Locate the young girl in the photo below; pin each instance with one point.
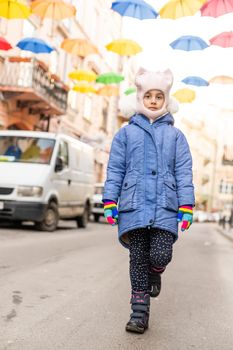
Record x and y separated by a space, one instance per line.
149 175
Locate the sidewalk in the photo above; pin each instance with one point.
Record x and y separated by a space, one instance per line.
227 231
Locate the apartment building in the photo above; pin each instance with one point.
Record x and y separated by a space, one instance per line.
35 92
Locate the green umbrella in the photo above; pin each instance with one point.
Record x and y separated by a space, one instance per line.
109 78
130 90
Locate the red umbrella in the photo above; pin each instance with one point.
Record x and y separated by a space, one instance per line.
224 39
215 8
4 45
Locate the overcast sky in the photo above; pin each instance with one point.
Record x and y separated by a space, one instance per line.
156 35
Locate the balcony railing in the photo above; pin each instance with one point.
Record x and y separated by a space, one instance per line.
28 79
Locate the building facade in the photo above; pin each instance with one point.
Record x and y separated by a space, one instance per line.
35 92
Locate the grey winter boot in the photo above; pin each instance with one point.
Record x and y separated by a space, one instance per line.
139 318
154 284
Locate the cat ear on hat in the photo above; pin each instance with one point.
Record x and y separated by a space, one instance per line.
169 76
139 73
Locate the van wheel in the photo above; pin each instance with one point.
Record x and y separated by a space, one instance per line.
50 220
96 217
83 220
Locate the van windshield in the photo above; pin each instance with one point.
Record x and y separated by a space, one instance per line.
26 149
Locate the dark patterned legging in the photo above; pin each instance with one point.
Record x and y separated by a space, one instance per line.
149 249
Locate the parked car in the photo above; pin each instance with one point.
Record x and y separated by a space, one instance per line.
97 205
45 177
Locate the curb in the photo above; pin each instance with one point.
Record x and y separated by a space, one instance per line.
227 234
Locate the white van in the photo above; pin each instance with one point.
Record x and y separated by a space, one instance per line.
44 177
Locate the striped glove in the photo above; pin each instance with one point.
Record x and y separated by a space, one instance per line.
185 214
111 212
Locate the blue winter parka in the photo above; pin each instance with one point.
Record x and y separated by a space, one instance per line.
149 175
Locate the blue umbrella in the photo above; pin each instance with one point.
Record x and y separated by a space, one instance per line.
134 8
197 81
34 45
189 43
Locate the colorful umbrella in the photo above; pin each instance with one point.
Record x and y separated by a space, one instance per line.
185 95
109 78
224 39
180 8
124 47
108 91
130 90
4 45
197 81
34 45
84 88
134 8
216 8
54 9
79 47
189 43
83 75
221 79
14 9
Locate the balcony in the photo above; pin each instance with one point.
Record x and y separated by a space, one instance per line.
29 82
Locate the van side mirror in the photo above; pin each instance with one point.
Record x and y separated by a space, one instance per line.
59 166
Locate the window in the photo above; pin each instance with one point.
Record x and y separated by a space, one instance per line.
26 149
87 107
63 153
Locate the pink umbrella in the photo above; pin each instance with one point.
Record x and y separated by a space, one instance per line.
216 8
224 39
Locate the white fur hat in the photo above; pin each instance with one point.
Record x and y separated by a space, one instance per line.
127 105
148 80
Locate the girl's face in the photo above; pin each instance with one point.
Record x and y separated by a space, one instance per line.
153 100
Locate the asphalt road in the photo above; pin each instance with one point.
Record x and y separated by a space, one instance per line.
69 290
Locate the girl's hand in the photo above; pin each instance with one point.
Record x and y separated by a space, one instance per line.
185 214
111 212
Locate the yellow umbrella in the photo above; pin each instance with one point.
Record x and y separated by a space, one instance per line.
54 9
14 9
180 8
78 47
221 79
84 88
108 90
86 75
124 47
185 95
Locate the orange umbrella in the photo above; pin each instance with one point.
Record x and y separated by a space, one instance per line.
54 9
109 91
221 79
79 47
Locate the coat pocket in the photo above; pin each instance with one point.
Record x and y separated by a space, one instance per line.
171 194
128 195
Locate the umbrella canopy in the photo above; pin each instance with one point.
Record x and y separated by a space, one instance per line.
180 8
224 39
185 95
130 90
134 8
34 45
124 47
189 43
84 88
14 9
221 79
216 8
4 45
110 78
85 75
54 9
108 91
197 81
78 47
